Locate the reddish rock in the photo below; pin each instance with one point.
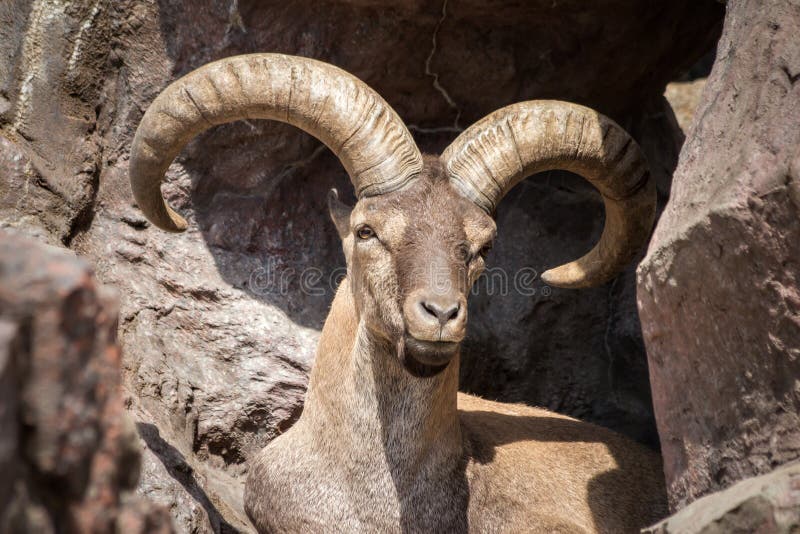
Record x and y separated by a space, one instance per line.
765 504
719 290
68 451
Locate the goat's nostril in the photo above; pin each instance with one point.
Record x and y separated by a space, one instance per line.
452 312
443 314
430 309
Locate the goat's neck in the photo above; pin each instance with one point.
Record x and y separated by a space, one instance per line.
360 393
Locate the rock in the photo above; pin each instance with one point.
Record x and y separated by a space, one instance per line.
27 204
218 325
68 451
168 480
718 291
52 74
767 503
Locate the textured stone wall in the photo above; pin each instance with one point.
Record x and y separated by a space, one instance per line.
216 330
718 290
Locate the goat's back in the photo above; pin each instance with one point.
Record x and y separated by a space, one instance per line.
531 470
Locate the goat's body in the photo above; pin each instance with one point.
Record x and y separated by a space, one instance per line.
532 470
525 470
370 455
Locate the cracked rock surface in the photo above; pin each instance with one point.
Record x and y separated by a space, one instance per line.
218 325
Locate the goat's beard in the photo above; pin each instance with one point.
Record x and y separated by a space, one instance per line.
419 360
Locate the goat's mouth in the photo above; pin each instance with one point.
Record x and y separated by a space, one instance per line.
424 359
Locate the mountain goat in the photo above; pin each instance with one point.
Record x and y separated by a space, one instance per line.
385 442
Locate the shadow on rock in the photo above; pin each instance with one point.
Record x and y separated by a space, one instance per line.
180 470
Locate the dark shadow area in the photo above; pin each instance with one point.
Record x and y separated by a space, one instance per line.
701 68
180 470
583 351
273 237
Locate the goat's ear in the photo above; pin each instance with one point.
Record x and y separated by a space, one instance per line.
340 213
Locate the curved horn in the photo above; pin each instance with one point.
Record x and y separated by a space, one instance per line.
497 152
337 108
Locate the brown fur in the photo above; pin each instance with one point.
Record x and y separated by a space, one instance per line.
387 444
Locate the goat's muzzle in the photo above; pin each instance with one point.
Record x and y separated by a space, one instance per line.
436 316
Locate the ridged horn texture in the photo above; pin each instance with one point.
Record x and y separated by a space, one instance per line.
337 108
497 152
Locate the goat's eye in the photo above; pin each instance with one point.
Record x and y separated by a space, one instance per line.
462 253
485 249
365 232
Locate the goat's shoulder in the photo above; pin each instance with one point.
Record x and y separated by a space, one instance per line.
526 458
290 487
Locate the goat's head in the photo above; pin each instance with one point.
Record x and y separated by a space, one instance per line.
416 238
412 256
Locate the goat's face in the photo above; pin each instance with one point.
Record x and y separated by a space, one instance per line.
412 257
